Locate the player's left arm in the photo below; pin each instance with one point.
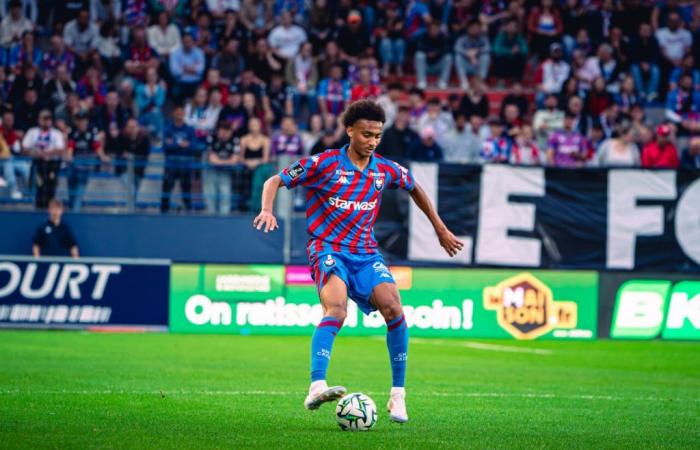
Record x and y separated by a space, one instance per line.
448 241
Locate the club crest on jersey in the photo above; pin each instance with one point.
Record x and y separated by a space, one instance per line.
329 262
379 183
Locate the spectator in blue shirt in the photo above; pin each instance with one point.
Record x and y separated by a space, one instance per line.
150 97
187 68
426 149
182 154
683 106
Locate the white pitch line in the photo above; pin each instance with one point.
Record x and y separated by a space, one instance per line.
482 346
525 395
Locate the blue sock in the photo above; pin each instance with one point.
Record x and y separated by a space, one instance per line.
397 343
321 346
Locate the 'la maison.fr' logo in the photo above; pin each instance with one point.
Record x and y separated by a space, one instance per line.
526 309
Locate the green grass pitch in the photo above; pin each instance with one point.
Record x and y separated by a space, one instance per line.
84 390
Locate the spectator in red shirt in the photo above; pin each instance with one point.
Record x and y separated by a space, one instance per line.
661 153
365 88
139 56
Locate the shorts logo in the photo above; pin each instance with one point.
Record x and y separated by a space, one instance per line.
526 309
380 267
329 262
295 171
379 183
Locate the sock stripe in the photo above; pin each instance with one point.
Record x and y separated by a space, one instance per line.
329 323
396 323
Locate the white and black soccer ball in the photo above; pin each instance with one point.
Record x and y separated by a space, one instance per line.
356 412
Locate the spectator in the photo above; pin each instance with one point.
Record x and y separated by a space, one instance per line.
547 120
28 79
172 7
329 58
475 100
102 11
459 144
582 121
228 62
602 65
232 28
219 8
498 146
287 141
253 108
627 97
619 151
573 18
599 98
135 13
389 101
440 121
287 38
81 37
426 149
392 45
54 237
14 164
568 147
46 146
57 55
150 98
24 53
202 112
234 113
326 141
683 106
218 177
552 73
65 113
111 116
85 145
134 143
399 137
644 56
545 27
164 36
433 56
674 41
27 112
516 97
256 152
108 49
510 53
313 133
525 151
187 68
512 120
302 77
417 20
182 151
417 105
472 54
352 38
30 9
333 92
263 62
661 153
687 67
365 88
281 100
690 159
14 25
139 57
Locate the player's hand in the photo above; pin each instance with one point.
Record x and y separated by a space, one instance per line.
449 242
265 221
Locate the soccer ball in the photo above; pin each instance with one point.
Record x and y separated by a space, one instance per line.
356 412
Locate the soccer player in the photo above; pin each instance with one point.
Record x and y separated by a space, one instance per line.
344 194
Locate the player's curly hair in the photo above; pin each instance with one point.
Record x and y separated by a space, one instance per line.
363 109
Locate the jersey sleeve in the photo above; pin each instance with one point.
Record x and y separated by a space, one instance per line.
399 177
303 172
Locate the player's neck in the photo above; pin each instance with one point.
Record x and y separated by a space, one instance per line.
357 160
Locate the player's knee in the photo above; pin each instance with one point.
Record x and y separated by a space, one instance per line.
390 308
337 312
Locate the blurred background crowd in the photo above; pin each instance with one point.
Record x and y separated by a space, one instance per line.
204 97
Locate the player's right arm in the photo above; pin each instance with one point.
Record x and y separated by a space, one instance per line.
266 220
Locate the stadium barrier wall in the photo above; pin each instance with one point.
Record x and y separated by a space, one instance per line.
84 293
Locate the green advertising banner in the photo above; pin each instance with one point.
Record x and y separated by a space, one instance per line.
250 299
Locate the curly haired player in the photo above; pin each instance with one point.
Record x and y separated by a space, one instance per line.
344 193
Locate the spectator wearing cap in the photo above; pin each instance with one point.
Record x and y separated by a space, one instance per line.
472 54
81 37
392 45
150 98
333 92
551 73
46 146
221 155
352 38
182 151
683 106
57 55
286 38
426 149
661 153
399 137
545 26
433 56
85 146
690 159
435 117
459 143
186 67
301 75
14 25
510 52
568 147
54 237
164 36
644 56
498 146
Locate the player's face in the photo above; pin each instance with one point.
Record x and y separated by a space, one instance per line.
365 136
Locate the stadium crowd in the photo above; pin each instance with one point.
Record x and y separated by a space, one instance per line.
223 88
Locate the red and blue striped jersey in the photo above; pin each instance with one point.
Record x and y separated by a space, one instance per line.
342 202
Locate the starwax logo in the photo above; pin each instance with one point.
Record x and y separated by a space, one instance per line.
525 307
646 308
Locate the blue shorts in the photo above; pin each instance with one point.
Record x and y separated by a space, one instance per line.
360 273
